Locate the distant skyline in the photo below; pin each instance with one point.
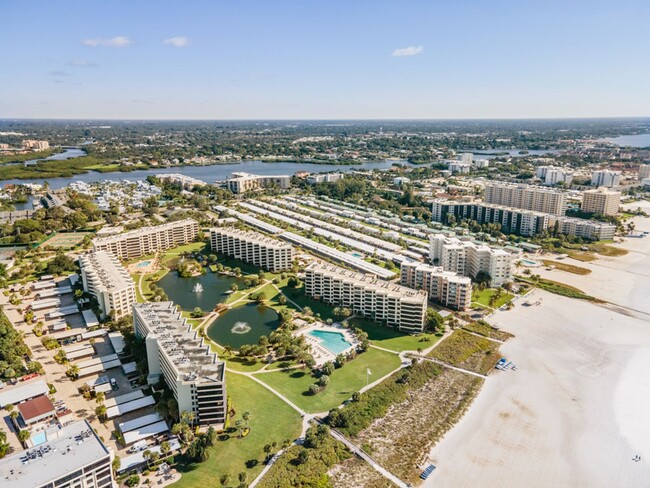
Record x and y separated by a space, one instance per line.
461 59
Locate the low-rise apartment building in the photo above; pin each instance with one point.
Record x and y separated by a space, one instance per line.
177 353
528 197
394 305
252 247
72 457
601 201
104 277
245 182
148 240
469 258
446 287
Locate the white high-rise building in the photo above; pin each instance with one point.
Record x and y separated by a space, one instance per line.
72 457
601 201
252 247
466 158
384 301
445 287
176 352
469 259
148 240
552 175
528 197
606 178
107 280
644 171
245 182
459 167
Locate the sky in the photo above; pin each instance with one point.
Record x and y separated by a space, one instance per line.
324 59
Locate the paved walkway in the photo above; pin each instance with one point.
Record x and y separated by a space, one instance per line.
446 365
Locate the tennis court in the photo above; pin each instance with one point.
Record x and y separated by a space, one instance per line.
65 240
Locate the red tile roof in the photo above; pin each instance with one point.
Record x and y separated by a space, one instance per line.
35 407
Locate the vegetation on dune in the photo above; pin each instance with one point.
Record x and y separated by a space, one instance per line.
467 351
557 288
483 328
570 268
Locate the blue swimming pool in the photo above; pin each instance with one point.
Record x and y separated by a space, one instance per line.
143 264
39 438
332 341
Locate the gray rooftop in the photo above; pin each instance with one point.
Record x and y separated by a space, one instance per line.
72 447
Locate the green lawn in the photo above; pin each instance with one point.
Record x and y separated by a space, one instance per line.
298 296
271 420
294 384
191 247
391 339
483 297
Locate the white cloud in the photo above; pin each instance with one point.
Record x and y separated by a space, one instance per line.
408 51
82 63
59 73
178 41
119 41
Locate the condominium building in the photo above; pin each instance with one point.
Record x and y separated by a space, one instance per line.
517 221
467 158
245 182
528 197
446 287
71 457
644 171
178 354
324 178
148 240
383 301
469 258
252 247
459 167
104 277
606 178
185 181
552 175
38 145
512 220
601 201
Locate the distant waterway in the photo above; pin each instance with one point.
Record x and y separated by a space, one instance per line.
638 140
212 173
68 153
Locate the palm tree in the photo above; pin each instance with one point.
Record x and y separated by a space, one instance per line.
246 416
100 397
240 425
73 371
23 435
165 448
227 350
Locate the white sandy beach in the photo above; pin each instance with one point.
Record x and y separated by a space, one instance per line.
577 411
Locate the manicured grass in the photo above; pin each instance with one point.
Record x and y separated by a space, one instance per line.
241 364
191 247
271 420
569 268
344 381
467 351
391 339
483 297
298 296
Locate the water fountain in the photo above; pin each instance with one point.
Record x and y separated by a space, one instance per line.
198 288
240 328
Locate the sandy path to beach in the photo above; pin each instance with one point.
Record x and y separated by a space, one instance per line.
574 414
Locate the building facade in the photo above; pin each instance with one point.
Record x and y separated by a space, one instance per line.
552 175
72 457
644 171
148 240
528 197
245 182
104 277
606 178
178 354
448 288
396 306
252 247
469 259
324 178
601 201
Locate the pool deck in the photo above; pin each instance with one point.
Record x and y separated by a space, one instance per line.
321 353
141 268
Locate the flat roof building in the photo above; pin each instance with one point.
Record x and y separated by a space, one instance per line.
384 301
601 201
245 182
176 352
72 457
252 247
468 258
148 240
605 178
445 287
528 197
105 278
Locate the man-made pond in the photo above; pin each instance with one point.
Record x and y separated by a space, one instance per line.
216 288
243 325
